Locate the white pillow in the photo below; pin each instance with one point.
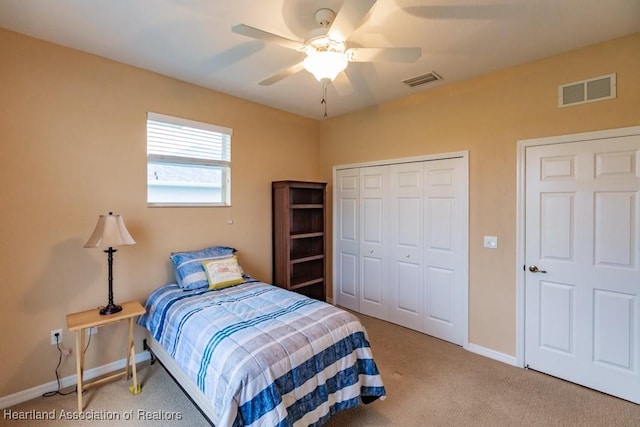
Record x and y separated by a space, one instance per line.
223 272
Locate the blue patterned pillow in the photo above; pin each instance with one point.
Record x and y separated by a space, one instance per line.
188 267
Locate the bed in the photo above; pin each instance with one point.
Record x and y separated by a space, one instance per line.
257 355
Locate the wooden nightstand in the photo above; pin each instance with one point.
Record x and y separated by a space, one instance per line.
84 320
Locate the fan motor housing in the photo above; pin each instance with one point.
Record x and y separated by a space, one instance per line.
318 40
324 17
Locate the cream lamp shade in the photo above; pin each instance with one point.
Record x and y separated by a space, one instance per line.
109 232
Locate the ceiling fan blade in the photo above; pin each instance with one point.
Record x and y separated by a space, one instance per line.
255 33
282 74
384 54
349 18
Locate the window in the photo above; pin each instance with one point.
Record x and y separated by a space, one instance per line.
188 162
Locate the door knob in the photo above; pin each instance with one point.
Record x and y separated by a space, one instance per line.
535 269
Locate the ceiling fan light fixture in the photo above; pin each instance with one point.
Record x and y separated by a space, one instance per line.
325 65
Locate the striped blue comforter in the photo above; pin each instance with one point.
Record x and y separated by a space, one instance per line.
264 356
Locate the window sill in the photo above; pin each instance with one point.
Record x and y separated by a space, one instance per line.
188 205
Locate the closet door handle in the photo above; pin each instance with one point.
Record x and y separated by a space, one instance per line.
535 269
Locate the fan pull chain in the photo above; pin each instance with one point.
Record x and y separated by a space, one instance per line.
324 97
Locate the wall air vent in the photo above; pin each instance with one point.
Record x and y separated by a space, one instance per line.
423 79
591 90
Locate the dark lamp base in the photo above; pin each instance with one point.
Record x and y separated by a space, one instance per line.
110 309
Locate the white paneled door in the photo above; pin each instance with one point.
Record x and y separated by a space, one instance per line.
582 251
445 237
374 241
347 241
406 284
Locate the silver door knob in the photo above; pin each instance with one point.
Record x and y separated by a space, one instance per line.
535 269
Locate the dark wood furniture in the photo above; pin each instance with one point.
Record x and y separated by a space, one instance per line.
299 237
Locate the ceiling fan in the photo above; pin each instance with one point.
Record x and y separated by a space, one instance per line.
326 48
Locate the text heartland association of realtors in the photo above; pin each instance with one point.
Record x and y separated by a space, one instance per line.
140 415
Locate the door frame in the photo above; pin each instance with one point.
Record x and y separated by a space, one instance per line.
464 155
520 215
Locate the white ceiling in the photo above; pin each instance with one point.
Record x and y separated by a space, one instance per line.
191 40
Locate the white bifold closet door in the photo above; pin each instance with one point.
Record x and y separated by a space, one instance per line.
445 242
400 247
406 249
347 241
374 241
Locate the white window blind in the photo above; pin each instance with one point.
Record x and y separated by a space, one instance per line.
188 162
172 138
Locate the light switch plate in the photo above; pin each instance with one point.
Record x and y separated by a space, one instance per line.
490 242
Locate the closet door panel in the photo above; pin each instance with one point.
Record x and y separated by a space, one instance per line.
372 278
405 236
346 231
440 297
440 229
444 256
374 269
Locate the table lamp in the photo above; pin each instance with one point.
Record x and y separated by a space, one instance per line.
110 232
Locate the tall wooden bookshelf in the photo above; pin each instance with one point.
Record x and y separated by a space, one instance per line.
299 237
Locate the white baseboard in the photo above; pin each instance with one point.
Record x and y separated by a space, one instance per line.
32 393
492 354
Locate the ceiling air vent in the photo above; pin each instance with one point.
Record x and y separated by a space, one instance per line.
596 89
423 79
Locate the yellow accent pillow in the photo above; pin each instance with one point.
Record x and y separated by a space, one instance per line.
223 272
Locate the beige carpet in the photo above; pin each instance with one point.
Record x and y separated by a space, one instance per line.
429 383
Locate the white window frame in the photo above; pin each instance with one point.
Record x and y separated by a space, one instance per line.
224 163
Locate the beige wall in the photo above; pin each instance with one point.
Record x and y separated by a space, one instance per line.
487 116
72 132
73 138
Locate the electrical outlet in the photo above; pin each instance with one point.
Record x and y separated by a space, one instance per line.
92 331
55 341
